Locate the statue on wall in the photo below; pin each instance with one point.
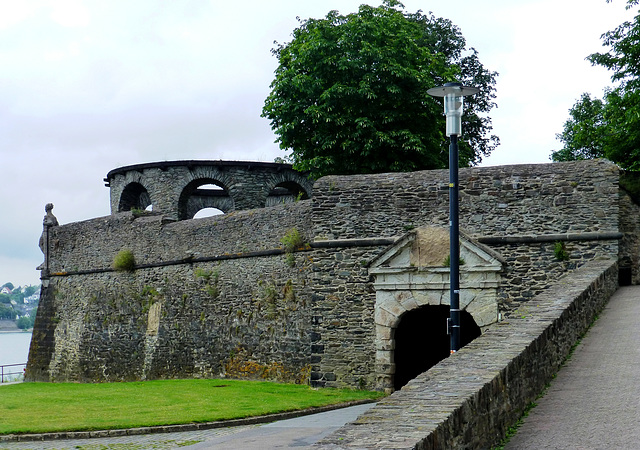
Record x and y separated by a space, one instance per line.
49 221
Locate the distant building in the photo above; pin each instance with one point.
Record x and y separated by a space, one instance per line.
32 298
5 290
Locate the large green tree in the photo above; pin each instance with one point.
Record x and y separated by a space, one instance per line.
350 93
609 128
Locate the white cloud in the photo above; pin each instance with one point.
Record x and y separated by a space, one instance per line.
70 13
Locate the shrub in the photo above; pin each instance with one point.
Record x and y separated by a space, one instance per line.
124 261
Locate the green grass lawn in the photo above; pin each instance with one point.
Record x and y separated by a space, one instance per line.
50 407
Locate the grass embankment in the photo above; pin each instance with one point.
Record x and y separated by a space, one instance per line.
53 407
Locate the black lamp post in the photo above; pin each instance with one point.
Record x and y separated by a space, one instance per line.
453 94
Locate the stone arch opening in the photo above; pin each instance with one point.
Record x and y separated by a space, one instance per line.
207 212
134 196
286 192
421 340
201 194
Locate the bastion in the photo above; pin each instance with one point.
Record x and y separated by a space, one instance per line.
341 281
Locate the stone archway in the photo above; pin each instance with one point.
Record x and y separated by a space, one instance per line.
134 196
411 274
286 192
421 340
195 198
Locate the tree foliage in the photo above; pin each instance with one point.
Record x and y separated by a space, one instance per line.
6 312
350 93
609 128
24 322
581 135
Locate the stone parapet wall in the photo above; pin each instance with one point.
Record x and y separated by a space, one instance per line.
93 244
469 400
527 199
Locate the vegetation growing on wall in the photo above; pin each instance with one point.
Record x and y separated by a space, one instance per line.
274 301
211 279
148 297
447 261
124 261
292 240
560 251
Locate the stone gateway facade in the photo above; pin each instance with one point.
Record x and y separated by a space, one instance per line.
329 289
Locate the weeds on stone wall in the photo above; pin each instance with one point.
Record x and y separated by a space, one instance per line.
447 261
275 301
139 212
560 251
211 279
124 261
148 297
240 365
292 241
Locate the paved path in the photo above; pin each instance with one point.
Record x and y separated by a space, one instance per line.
298 433
594 402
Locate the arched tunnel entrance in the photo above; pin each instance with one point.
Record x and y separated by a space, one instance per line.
421 340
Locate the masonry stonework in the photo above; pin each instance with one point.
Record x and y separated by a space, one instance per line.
220 296
174 188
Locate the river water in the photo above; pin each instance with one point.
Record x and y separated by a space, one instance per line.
14 347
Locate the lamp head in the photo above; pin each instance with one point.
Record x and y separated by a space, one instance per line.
453 94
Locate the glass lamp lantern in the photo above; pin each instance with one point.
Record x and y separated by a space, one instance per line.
453 94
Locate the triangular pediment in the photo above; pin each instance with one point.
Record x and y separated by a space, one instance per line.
428 247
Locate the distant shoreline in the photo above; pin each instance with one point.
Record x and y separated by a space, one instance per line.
8 325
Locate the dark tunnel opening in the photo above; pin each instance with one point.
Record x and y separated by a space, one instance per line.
421 340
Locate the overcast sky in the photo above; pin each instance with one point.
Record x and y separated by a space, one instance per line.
88 86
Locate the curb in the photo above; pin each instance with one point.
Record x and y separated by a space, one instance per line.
176 428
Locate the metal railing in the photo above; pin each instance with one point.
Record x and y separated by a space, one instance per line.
12 372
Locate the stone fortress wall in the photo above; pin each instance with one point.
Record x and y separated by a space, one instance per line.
175 187
220 296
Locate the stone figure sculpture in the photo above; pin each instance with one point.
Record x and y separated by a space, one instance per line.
49 221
